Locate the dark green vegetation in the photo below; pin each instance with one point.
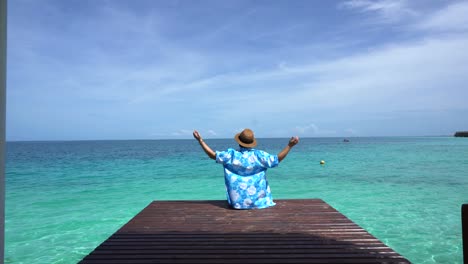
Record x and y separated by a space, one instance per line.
461 134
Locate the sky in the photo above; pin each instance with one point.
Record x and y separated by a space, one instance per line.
123 69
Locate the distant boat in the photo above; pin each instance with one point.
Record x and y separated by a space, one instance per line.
345 140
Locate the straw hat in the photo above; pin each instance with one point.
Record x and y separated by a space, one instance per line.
246 138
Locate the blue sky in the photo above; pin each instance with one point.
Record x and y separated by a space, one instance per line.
81 70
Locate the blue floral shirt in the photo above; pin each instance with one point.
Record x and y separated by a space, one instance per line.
244 175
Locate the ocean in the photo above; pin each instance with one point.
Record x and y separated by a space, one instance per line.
63 198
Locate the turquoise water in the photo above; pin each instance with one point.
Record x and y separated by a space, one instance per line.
64 198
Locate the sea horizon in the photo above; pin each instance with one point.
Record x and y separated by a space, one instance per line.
224 138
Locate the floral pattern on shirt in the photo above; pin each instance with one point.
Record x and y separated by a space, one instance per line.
245 178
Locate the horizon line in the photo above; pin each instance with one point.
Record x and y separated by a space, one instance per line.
215 138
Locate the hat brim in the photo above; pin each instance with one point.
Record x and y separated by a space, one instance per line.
247 145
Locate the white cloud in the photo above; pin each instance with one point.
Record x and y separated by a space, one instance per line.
236 130
230 24
453 17
424 74
308 128
212 132
386 10
351 131
312 129
182 132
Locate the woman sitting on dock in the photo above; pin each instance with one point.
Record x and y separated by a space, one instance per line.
244 170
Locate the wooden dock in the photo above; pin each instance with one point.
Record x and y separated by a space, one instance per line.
294 231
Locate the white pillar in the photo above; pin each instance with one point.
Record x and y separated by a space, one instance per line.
3 44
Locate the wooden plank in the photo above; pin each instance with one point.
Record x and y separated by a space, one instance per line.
294 231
